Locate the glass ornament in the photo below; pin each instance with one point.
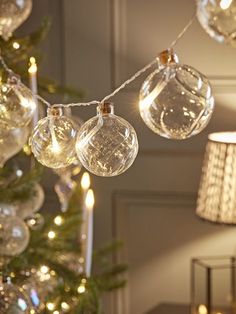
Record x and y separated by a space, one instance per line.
176 100
27 208
17 104
12 14
53 140
64 190
11 142
218 19
107 145
13 300
7 209
14 235
72 170
35 222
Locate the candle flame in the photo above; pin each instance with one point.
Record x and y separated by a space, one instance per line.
89 201
85 181
202 309
32 66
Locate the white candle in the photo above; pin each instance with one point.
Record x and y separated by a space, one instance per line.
33 85
89 236
85 184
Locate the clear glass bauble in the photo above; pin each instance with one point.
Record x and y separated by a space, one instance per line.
176 101
13 300
53 140
11 142
17 104
14 235
218 19
12 14
64 190
27 208
107 145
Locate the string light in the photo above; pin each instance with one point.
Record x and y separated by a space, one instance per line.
33 66
51 235
65 306
50 306
16 45
58 220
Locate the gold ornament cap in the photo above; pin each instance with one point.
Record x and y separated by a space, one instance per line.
105 108
55 111
167 56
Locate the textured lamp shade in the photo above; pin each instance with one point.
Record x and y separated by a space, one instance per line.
217 192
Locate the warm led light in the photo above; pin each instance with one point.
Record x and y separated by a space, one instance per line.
16 45
85 181
33 66
44 269
225 4
65 306
50 306
56 312
32 311
81 289
58 220
89 201
51 235
202 309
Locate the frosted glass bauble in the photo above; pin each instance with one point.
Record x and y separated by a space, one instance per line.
107 145
218 18
13 300
176 101
11 142
17 104
14 235
27 208
53 140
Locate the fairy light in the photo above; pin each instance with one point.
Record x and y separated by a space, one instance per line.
44 269
56 312
65 306
81 289
58 220
16 45
51 235
50 306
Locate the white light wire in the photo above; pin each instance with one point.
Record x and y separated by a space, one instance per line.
118 89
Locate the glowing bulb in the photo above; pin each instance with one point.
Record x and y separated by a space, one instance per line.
65 306
85 181
50 306
202 309
44 269
81 289
58 220
56 312
33 66
89 201
51 235
16 45
225 4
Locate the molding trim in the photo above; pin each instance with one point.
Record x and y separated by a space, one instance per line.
121 201
119 39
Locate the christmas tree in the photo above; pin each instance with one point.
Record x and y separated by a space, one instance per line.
46 259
